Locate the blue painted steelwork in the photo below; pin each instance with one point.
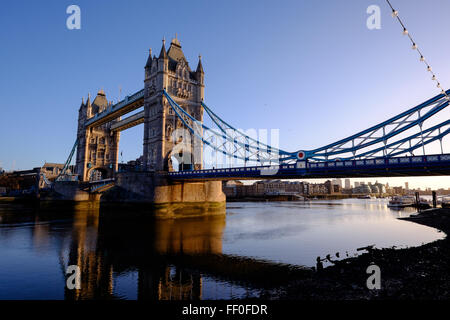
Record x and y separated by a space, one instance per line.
384 139
369 137
96 185
377 167
44 177
226 128
228 140
425 136
63 174
116 107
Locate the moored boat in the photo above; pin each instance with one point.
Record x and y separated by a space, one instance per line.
401 202
367 196
423 204
445 202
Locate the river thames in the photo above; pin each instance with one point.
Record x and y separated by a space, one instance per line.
197 258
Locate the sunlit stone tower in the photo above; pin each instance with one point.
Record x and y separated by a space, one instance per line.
170 71
98 147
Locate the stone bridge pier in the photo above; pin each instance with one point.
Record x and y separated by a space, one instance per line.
153 192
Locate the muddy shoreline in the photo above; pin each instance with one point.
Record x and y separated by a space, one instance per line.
412 273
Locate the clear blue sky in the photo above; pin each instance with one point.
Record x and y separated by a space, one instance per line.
309 68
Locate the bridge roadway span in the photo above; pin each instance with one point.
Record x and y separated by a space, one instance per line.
127 105
427 165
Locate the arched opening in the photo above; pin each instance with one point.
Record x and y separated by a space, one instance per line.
181 161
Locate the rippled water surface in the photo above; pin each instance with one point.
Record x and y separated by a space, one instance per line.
136 259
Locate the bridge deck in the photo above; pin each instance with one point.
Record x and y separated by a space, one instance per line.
125 106
429 165
129 122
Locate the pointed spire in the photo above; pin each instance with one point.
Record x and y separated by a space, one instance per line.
149 60
82 103
175 41
88 101
200 66
163 54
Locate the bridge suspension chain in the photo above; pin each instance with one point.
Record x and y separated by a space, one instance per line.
227 140
374 141
226 129
371 143
67 163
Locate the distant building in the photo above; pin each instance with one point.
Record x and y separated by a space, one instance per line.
52 170
333 188
132 165
381 187
347 184
374 189
398 190
230 188
19 181
337 182
318 188
237 189
406 186
362 188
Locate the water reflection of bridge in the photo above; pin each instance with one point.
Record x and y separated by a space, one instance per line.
170 257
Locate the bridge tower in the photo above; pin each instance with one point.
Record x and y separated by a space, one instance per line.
171 71
98 147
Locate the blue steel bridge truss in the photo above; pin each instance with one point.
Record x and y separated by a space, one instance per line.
386 149
393 147
429 165
401 135
227 140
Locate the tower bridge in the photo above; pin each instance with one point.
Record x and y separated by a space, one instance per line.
171 71
177 141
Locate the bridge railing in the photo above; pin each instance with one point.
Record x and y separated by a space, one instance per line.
123 103
327 166
95 185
